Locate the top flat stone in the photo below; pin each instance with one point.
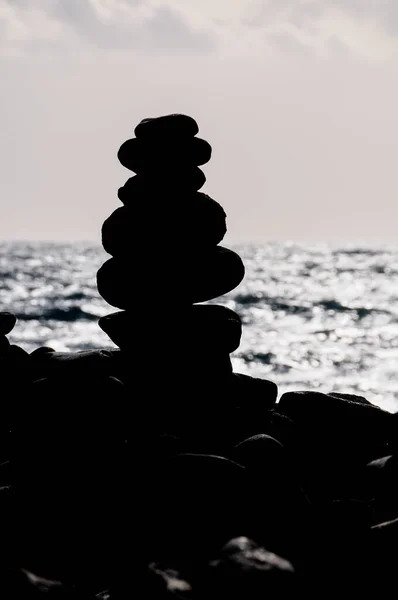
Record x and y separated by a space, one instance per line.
167 125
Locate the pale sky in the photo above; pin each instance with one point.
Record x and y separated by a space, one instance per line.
299 100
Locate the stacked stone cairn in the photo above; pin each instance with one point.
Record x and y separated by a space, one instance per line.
183 264
181 267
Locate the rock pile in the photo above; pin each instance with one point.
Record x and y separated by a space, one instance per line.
119 477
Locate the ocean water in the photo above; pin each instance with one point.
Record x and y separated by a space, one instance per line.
314 317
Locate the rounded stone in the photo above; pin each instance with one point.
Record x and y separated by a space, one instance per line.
170 182
197 328
177 125
142 156
7 322
189 277
194 220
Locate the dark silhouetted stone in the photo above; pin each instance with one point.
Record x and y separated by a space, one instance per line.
351 398
245 570
382 561
7 322
204 502
165 183
195 220
192 278
333 438
141 156
260 451
165 582
196 328
175 125
359 430
43 350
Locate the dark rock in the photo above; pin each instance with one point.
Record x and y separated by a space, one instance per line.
195 220
87 363
379 486
193 278
21 584
246 570
260 451
196 328
141 156
7 322
354 426
351 398
334 438
382 562
285 511
71 485
42 351
165 582
204 503
166 183
176 125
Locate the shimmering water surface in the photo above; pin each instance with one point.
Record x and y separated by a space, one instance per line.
315 317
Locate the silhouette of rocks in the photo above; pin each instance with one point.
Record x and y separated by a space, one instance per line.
194 277
142 156
175 125
194 220
180 477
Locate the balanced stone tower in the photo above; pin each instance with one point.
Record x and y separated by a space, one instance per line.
166 261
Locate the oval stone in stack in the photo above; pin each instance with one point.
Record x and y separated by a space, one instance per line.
193 277
201 326
175 124
143 156
149 185
194 219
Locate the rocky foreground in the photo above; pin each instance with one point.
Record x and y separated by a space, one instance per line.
121 477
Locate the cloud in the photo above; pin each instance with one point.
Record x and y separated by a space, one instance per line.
362 28
109 25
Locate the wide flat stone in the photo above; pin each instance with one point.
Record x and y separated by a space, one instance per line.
189 277
197 328
143 156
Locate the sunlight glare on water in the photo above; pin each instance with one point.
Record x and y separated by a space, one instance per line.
314 317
